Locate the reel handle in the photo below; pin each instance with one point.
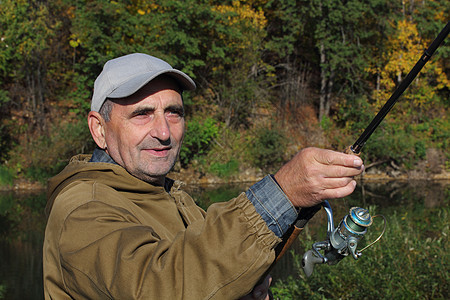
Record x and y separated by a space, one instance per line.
308 262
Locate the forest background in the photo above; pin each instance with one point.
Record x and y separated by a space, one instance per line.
273 77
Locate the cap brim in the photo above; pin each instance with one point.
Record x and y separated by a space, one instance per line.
131 86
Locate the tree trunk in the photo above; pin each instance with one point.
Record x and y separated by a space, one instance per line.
326 86
323 82
328 95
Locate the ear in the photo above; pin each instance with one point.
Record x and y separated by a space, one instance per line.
96 125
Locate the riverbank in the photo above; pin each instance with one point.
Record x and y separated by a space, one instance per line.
192 176
390 173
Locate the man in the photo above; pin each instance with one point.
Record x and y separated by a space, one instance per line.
119 229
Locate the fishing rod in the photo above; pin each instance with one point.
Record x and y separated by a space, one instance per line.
343 240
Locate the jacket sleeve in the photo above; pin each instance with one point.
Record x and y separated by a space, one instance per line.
105 252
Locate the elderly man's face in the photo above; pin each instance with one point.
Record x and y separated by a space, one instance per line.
145 131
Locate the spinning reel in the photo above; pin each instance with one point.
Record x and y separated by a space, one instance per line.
341 241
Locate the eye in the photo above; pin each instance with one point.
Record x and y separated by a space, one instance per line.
175 112
142 113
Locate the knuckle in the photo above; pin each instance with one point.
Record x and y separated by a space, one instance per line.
340 172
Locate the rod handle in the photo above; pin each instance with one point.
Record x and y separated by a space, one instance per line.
351 150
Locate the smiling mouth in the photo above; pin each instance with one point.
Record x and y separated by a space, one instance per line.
159 152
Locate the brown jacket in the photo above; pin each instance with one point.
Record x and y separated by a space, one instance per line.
112 236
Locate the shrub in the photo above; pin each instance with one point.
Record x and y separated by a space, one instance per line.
198 138
207 196
440 133
6 176
420 148
224 170
47 155
268 147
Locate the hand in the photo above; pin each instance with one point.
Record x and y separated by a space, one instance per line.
260 292
314 175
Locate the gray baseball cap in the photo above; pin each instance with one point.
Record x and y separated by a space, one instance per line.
125 75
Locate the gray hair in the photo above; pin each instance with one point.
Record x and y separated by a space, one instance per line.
105 110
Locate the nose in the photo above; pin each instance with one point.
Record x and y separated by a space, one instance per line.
160 128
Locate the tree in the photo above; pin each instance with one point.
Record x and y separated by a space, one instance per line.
406 48
26 62
288 51
216 44
418 119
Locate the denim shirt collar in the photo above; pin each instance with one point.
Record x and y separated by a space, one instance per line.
100 155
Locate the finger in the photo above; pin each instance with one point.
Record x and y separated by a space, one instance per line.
335 182
341 171
339 192
329 157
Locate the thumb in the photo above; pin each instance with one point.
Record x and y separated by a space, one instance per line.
261 291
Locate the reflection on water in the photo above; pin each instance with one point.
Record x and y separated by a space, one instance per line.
22 224
21 235
21 268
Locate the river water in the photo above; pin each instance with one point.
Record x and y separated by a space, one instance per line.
22 225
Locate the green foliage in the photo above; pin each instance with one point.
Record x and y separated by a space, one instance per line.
267 148
236 100
4 97
107 29
6 204
224 170
36 202
78 94
21 214
24 37
2 291
249 59
411 254
420 149
207 196
326 123
440 132
25 32
198 138
10 214
6 139
57 154
404 139
26 58
286 27
6 176
194 35
405 142
227 155
42 172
